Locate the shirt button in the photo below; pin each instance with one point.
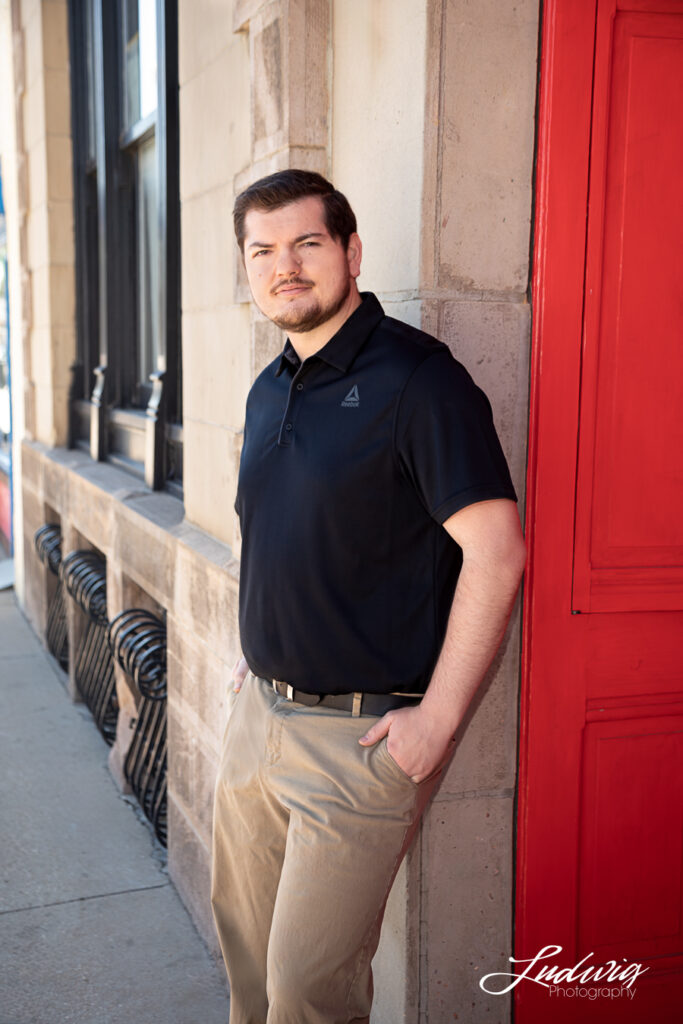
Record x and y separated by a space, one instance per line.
288 426
299 386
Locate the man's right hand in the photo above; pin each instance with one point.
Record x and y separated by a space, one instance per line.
239 673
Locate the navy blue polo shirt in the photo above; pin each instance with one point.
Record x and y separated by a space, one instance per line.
352 461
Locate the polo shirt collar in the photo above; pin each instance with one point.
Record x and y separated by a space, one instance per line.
343 347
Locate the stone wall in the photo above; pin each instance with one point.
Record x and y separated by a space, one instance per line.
423 113
476 224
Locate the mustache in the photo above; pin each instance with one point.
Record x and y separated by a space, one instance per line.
287 284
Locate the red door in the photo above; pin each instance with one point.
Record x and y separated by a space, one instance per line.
600 827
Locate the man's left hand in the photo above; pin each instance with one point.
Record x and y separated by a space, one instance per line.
417 744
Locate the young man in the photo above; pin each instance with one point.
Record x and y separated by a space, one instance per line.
381 556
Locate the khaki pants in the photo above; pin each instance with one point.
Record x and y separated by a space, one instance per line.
309 831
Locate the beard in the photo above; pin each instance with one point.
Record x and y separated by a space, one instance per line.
299 321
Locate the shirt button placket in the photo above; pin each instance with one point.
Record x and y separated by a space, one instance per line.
287 428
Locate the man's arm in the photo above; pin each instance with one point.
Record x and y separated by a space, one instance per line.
494 555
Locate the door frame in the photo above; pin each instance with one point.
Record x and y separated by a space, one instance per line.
560 221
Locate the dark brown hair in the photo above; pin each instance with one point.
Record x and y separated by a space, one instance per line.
286 187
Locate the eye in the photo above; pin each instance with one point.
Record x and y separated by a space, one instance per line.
260 252
310 245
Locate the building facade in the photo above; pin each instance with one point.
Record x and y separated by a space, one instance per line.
134 344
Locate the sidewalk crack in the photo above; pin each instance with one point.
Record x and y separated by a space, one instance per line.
83 899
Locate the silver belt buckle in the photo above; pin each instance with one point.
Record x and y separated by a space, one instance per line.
288 687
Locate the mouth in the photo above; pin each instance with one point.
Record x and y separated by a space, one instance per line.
293 288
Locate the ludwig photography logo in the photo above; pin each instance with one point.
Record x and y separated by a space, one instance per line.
582 981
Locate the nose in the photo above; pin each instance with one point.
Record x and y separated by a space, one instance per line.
287 263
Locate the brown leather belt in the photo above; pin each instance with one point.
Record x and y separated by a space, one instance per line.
357 703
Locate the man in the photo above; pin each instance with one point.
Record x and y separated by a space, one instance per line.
371 483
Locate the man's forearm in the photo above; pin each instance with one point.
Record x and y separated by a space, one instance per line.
481 607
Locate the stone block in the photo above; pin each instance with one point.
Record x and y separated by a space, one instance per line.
90 512
63 354
379 57
35 163
59 170
31 466
208 249
210 484
289 59
38 236
23 200
61 232
199 676
18 61
44 409
40 362
189 867
29 409
408 310
181 755
58 103
40 288
244 11
62 296
268 342
145 554
268 76
308 39
55 488
214 136
488 83
55 35
33 43
33 107
217 377
204 33
492 339
34 511
206 596
466 907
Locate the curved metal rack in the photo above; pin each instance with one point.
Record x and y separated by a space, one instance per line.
47 541
137 640
84 574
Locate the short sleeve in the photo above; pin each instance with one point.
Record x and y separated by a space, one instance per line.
445 439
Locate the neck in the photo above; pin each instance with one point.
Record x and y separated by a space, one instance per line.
310 342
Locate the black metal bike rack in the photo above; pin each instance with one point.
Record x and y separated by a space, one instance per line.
84 575
48 544
137 640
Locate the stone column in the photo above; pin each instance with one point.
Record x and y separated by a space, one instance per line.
289 57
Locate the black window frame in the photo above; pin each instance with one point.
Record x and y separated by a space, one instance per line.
136 425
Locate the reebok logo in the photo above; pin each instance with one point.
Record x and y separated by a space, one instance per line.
352 400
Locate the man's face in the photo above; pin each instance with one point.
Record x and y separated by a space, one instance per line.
300 277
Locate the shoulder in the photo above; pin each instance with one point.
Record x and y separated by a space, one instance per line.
427 365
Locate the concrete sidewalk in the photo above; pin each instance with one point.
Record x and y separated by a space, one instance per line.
91 929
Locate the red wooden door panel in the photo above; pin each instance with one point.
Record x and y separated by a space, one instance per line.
600 823
629 528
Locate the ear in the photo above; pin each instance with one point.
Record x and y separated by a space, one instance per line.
354 255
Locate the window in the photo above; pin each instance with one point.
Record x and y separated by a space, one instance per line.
126 390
